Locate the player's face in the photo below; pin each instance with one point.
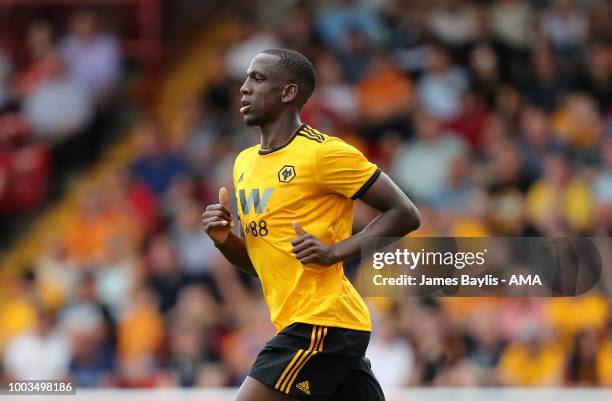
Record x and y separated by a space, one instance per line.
261 91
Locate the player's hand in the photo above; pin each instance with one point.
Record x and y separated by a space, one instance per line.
217 219
309 249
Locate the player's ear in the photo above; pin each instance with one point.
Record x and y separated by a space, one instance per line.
289 92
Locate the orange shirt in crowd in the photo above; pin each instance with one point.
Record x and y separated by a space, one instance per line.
574 202
88 237
383 95
141 331
604 364
521 367
569 316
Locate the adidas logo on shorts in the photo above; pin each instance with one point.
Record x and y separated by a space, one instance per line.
304 386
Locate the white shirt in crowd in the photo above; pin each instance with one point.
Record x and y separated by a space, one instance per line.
30 356
392 362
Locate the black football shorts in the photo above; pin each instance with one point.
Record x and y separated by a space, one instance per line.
318 363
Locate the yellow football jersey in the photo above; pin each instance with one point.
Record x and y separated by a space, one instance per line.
312 179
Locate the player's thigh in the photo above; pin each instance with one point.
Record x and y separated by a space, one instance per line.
254 390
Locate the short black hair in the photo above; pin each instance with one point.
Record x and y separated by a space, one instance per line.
299 69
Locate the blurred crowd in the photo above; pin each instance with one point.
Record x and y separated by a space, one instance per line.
56 84
494 116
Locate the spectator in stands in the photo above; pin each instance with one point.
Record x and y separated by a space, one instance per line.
140 332
599 13
100 222
577 124
19 312
138 199
486 78
297 31
40 66
197 306
604 359
336 22
217 109
519 315
56 277
532 362
544 85
385 99
27 169
509 102
484 343
187 350
58 108
455 23
564 26
23 356
570 316
88 324
460 374
252 41
504 181
460 191
213 374
92 56
598 78
334 95
581 366
505 170
354 56
430 153
471 121
442 85
512 23
143 372
239 347
195 251
559 202
429 336
116 278
157 164
92 365
391 355
196 331
535 139
165 273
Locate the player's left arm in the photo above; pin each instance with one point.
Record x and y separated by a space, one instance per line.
341 166
398 216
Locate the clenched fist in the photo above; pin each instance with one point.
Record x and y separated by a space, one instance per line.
217 219
309 249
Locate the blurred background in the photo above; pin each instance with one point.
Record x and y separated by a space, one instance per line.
119 122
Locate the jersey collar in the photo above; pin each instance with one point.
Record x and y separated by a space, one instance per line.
274 149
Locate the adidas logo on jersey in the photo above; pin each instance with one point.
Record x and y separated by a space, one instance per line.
304 387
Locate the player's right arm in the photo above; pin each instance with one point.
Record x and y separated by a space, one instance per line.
217 222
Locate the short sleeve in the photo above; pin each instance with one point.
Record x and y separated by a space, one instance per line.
343 169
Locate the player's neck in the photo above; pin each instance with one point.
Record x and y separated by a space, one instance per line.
279 132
